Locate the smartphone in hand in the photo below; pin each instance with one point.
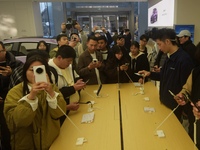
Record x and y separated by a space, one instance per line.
2 64
40 73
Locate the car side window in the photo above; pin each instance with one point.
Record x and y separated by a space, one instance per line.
8 46
27 47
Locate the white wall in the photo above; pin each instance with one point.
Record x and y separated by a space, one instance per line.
18 19
187 12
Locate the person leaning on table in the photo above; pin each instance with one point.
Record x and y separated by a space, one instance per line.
191 89
31 110
173 74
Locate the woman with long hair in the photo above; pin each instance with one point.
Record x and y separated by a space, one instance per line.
32 109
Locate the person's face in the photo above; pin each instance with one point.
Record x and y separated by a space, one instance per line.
101 45
63 41
134 50
63 26
64 62
121 42
29 72
183 39
163 45
75 38
42 47
119 55
2 53
92 45
143 42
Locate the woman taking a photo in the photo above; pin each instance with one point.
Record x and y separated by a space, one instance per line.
31 110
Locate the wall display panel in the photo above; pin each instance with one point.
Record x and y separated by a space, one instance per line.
161 14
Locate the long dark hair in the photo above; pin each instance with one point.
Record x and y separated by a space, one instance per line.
27 64
47 47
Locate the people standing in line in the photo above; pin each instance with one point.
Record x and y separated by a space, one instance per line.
90 63
69 82
174 72
31 109
184 39
116 66
138 61
42 45
191 90
7 64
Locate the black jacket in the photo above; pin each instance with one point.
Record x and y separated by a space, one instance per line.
190 48
5 80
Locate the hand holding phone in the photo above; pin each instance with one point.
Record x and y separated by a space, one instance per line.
3 65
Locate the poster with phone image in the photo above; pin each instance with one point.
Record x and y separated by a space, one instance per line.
40 73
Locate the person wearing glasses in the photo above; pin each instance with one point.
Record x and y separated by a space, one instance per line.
7 64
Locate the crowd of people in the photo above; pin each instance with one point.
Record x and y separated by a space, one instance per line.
29 110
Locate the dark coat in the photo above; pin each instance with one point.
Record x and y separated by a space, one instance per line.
5 80
112 73
190 49
137 64
84 60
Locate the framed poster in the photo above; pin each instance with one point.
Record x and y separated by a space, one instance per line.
190 28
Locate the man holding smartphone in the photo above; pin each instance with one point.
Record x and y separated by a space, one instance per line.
7 64
90 64
68 83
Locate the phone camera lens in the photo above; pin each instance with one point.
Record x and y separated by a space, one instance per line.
39 70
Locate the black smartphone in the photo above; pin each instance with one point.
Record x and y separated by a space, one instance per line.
2 64
99 89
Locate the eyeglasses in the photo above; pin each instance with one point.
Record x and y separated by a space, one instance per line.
1 51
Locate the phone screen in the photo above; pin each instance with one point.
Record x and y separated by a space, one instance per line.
3 64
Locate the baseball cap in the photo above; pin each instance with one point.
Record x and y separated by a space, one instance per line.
184 33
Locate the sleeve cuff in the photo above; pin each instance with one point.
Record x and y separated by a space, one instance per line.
33 103
52 101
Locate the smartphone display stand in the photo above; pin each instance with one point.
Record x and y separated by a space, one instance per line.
141 88
97 92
